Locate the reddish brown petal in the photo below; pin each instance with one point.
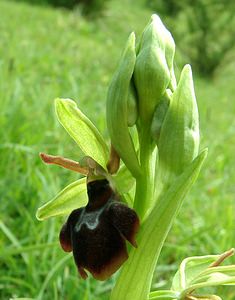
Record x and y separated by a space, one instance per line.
125 220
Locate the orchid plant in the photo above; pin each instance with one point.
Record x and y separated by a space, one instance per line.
153 161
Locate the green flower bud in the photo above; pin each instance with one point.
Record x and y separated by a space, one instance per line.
179 138
117 109
154 65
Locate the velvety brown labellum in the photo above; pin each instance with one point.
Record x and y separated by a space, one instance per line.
96 233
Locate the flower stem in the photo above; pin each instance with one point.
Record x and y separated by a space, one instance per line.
145 182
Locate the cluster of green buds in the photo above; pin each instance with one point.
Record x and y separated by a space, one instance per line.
144 93
153 124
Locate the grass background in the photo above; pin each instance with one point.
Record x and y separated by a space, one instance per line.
47 53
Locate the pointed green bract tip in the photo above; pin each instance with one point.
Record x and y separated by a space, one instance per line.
203 154
187 70
62 101
39 215
132 37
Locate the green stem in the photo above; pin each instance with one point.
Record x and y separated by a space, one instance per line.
145 182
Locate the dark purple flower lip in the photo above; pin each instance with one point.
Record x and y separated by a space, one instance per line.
97 233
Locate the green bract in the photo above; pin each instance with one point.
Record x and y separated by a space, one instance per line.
117 109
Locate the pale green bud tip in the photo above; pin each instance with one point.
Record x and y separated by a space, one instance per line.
130 47
153 69
155 19
166 42
60 101
131 38
187 73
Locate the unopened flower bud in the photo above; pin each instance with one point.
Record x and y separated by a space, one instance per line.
154 65
179 139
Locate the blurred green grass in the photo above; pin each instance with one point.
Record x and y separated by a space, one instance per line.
47 53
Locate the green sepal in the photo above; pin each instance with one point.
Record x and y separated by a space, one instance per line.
117 109
82 130
130 284
71 197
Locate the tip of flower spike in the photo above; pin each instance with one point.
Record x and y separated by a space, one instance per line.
155 18
157 22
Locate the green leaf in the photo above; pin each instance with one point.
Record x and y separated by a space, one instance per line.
82 130
70 198
136 275
190 268
163 295
117 109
